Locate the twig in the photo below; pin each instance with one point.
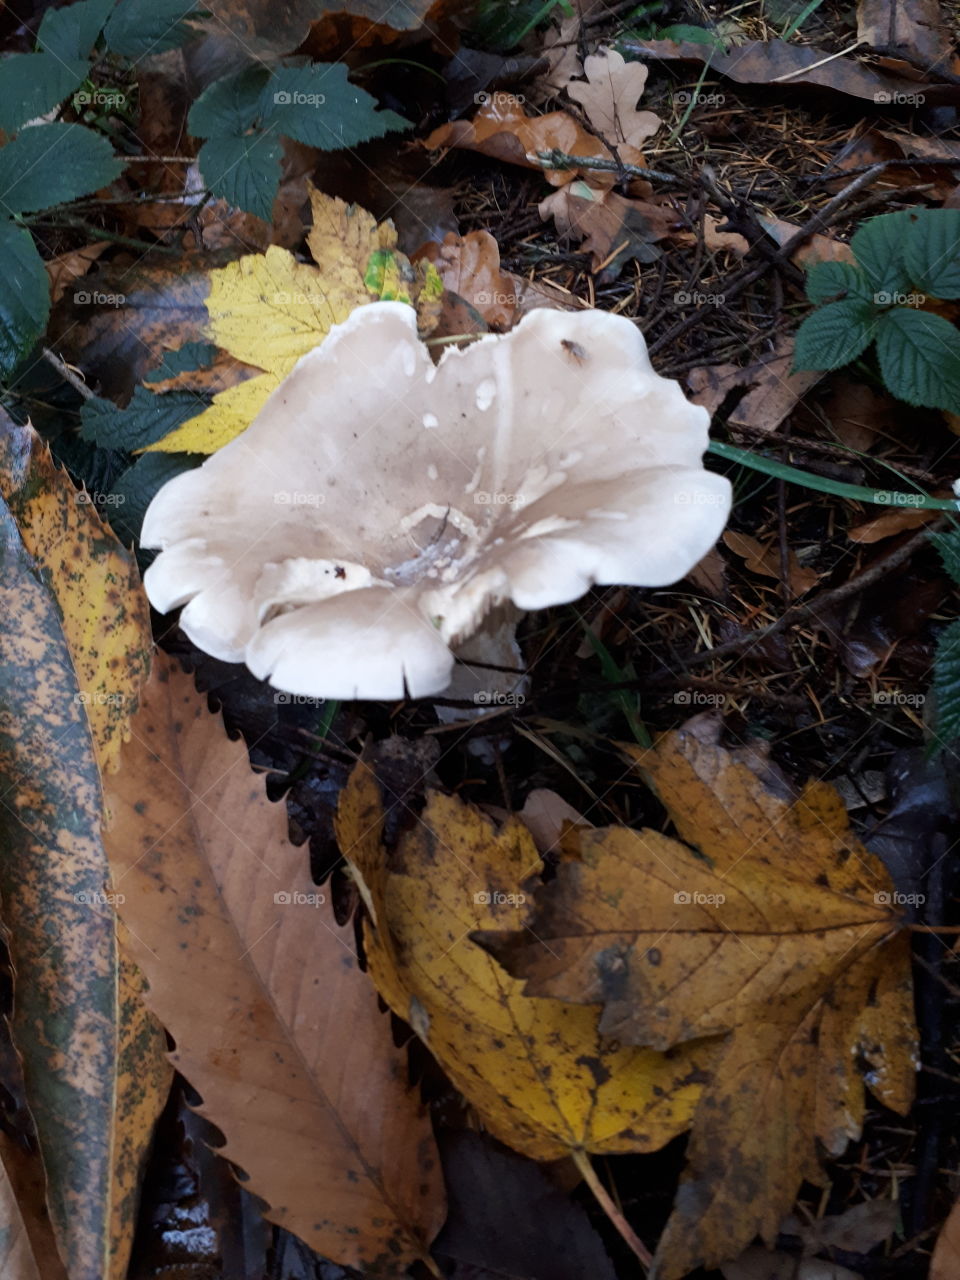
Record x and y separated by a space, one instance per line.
557 159
67 374
582 1161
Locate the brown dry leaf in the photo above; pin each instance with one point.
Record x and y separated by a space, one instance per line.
609 224
27 1251
775 389
275 1025
67 267
774 931
538 1072
261 29
766 1264
502 129
723 241
945 1263
791 65
857 1230
470 267
817 248
609 98
764 558
562 56
888 525
909 29
545 814
858 413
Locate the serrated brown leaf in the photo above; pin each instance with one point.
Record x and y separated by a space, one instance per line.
776 930
275 1025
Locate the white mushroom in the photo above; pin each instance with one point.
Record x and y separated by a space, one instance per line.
379 508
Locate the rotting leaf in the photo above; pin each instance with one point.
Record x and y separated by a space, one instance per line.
275 1025
775 931
538 1072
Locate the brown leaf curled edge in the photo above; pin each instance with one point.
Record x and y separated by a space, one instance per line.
778 935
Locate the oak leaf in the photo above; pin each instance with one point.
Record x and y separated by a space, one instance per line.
275 1025
609 96
775 931
540 1074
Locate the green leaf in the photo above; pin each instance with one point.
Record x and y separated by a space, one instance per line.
835 334
932 252
318 106
683 32
948 544
878 246
191 356
919 357
136 488
31 84
230 106
72 32
145 420
946 682
53 164
829 280
243 171
139 27
24 295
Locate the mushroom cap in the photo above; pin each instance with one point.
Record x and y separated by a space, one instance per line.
379 506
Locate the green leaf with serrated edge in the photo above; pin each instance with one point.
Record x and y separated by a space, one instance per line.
878 247
919 356
186 359
827 281
24 295
835 334
53 164
243 171
318 106
932 252
230 106
31 84
135 489
145 420
946 683
948 544
72 32
139 27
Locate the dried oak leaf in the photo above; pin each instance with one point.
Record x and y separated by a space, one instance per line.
470 266
539 1073
275 1025
609 97
613 229
775 932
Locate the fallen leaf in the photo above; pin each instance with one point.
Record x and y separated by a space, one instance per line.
766 1264
774 931
889 524
470 267
27 1249
609 97
857 1230
256 28
858 413
561 55
545 814
609 224
74 644
909 29
275 1025
268 310
538 1072
793 65
723 241
945 1263
764 558
817 248
67 267
774 389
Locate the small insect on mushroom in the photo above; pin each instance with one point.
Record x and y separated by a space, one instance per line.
574 351
339 571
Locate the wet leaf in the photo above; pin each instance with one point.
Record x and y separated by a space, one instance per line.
773 928
275 1025
538 1072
